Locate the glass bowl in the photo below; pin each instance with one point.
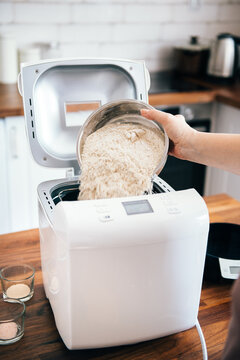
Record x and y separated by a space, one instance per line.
12 315
18 281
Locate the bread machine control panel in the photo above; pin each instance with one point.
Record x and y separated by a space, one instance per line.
107 211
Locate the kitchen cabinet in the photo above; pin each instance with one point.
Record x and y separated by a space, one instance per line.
4 208
19 177
226 119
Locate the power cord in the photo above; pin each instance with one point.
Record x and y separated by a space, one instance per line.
202 339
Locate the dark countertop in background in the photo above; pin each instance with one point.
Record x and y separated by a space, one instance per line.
167 88
192 90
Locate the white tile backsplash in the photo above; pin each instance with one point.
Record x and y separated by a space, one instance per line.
148 13
85 33
179 31
80 50
215 29
6 13
229 13
137 29
183 13
123 50
136 32
95 13
41 13
27 34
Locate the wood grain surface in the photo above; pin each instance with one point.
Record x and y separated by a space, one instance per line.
41 340
195 97
10 101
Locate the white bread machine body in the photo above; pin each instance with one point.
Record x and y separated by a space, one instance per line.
114 278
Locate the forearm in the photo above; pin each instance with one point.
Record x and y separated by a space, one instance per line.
217 150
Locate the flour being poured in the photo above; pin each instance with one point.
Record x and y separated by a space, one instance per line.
119 160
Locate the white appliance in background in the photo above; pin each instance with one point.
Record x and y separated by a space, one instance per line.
115 271
8 56
4 207
20 176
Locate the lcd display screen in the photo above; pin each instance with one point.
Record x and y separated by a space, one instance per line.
234 269
137 207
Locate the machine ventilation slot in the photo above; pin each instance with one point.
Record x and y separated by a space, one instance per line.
47 199
31 114
157 189
163 186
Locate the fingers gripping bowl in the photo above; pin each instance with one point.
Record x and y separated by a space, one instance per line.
130 149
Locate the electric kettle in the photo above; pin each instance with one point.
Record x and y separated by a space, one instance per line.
224 57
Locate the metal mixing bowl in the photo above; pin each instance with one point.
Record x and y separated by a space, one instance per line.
127 111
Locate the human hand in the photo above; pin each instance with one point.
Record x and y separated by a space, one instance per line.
179 132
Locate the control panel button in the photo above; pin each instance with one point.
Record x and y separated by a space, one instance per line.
105 217
173 210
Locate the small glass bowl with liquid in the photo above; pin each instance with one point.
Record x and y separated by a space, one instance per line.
18 281
12 315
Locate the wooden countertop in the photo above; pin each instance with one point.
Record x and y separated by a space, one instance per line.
11 101
41 340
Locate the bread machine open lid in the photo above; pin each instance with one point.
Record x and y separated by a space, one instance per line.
59 95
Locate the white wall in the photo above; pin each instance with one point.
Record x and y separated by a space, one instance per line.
137 29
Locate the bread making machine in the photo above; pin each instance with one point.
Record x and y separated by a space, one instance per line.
121 270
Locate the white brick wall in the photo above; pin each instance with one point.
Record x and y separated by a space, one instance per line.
229 13
136 32
137 29
32 33
85 33
95 13
148 13
205 13
6 13
183 30
32 13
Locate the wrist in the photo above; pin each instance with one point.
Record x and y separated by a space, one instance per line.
190 149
